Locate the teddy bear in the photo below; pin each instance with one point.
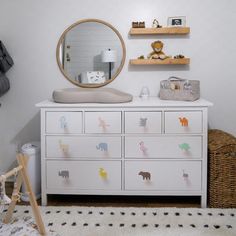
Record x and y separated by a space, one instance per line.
157 52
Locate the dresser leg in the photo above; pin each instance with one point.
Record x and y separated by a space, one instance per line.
44 200
203 201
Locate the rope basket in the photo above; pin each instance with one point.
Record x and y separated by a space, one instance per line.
221 169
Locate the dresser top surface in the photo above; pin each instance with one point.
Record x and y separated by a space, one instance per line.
137 102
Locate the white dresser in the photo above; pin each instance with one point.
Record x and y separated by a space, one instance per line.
145 147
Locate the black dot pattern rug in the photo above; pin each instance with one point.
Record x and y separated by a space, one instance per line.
107 221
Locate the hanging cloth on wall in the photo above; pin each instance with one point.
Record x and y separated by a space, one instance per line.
6 61
4 84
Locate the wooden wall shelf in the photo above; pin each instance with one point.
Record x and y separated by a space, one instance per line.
163 30
168 61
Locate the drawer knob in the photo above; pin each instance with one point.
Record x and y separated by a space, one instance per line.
183 121
145 175
63 122
103 124
102 147
63 147
143 122
64 174
184 146
102 173
143 148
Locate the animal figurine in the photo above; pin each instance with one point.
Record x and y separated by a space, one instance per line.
143 148
145 175
102 147
103 124
183 121
157 52
64 173
143 122
102 173
184 146
155 24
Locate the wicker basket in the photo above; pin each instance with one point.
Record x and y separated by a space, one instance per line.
222 169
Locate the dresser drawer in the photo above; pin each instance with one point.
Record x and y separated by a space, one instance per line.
83 147
164 147
143 122
63 122
102 122
163 175
91 175
183 122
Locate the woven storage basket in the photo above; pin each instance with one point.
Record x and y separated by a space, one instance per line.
222 169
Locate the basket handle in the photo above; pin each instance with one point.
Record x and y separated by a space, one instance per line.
172 78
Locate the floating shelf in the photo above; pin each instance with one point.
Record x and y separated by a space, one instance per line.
163 30
168 61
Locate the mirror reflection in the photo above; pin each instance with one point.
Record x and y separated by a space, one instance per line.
91 53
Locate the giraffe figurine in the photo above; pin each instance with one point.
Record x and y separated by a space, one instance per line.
103 124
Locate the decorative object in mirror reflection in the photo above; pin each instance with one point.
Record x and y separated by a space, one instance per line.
91 53
109 56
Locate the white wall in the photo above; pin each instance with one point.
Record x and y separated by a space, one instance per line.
31 29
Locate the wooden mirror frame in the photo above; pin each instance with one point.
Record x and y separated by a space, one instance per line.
117 71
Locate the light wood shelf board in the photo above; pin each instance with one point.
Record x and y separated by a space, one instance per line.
163 30
168 61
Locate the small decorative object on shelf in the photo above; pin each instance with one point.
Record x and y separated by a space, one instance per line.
176 21
179 56
157 52
136 24
155 24
141 57
142 24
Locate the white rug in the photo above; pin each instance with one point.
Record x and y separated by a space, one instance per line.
97 221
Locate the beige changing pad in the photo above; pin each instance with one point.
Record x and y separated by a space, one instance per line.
90 95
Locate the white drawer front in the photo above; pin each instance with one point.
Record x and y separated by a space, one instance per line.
183 122
163 147
163 175
94 175
102 122
83 147
143 122
64 122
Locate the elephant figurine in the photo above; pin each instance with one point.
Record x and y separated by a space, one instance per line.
102 147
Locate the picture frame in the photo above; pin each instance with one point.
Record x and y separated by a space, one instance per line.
176 21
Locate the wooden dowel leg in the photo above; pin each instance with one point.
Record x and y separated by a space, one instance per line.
22 160
12 205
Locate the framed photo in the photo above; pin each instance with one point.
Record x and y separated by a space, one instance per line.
176 21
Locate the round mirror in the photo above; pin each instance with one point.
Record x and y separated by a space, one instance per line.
91 53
